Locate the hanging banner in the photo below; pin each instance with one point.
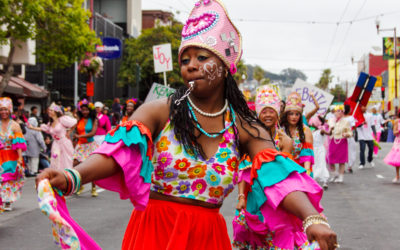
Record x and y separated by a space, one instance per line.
388 48
111 48
158 91
324 99
162 58
90 88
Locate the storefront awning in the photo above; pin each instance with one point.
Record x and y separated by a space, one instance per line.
19 86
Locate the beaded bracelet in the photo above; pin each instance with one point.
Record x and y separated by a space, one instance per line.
74 181
315 219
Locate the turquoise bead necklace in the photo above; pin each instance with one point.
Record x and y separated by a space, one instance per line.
212 135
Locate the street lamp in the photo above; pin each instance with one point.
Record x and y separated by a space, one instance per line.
377 22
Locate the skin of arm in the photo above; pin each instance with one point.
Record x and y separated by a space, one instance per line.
286 143
98 166
396 127
315 110
309 139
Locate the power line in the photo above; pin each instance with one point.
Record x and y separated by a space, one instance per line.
348 29
334 34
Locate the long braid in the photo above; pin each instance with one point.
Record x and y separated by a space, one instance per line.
184 127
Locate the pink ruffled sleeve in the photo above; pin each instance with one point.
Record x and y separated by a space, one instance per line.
288 228
67 121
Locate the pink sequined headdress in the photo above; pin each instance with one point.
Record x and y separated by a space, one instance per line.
6 102
209 27
267 97
293 103
55 108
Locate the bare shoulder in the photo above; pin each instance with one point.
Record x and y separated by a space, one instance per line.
153 114
15 127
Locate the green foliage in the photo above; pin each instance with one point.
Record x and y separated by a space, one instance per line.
290 75
63 33
338 93
258 73
241 70
140 50
325 79
265 81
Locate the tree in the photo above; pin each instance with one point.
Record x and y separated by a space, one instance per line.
290 75
241 70
258 73
338 93
325 79
59 27
265 81
140 50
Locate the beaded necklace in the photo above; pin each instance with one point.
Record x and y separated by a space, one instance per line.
212 135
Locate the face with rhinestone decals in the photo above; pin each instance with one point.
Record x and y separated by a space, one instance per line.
204 68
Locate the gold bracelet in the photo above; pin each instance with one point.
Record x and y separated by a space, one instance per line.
241 195
314 219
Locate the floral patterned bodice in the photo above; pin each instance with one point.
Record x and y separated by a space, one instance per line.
178 172
297 145
6 138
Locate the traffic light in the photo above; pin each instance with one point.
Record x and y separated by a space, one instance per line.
383 93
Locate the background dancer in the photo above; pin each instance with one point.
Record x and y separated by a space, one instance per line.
351 142
338 150
104 124
61 150
85 130
12 143
292 124
320 170
393 157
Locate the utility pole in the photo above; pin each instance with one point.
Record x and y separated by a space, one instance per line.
396 102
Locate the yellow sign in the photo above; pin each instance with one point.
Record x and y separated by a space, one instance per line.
378 82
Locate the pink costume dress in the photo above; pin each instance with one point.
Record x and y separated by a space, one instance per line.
62 149
393 158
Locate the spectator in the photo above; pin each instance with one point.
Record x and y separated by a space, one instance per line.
35 142
34 113
44 157
116 106
365 137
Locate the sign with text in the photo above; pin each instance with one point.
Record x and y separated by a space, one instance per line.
388 48
111 48
323 98
162 58
158 91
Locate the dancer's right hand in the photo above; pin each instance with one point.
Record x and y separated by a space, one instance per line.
55 177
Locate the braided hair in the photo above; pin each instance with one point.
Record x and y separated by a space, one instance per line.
299 126
184 126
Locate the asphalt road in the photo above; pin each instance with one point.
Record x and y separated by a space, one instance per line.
363 211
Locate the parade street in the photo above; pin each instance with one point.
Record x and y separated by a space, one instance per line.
363 211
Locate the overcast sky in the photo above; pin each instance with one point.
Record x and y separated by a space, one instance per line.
309 35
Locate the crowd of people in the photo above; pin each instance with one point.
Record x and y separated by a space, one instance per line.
65 140
178 158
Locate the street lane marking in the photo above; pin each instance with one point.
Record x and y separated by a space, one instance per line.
100 190
380 176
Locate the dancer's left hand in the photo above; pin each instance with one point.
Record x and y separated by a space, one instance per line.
325 236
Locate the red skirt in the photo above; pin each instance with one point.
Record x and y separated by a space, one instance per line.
171 225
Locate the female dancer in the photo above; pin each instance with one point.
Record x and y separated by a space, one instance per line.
393 158
268 105
104 124
85 131
302 137
58 127
12 143
128 109
321 173
351 142
197 133
337 148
